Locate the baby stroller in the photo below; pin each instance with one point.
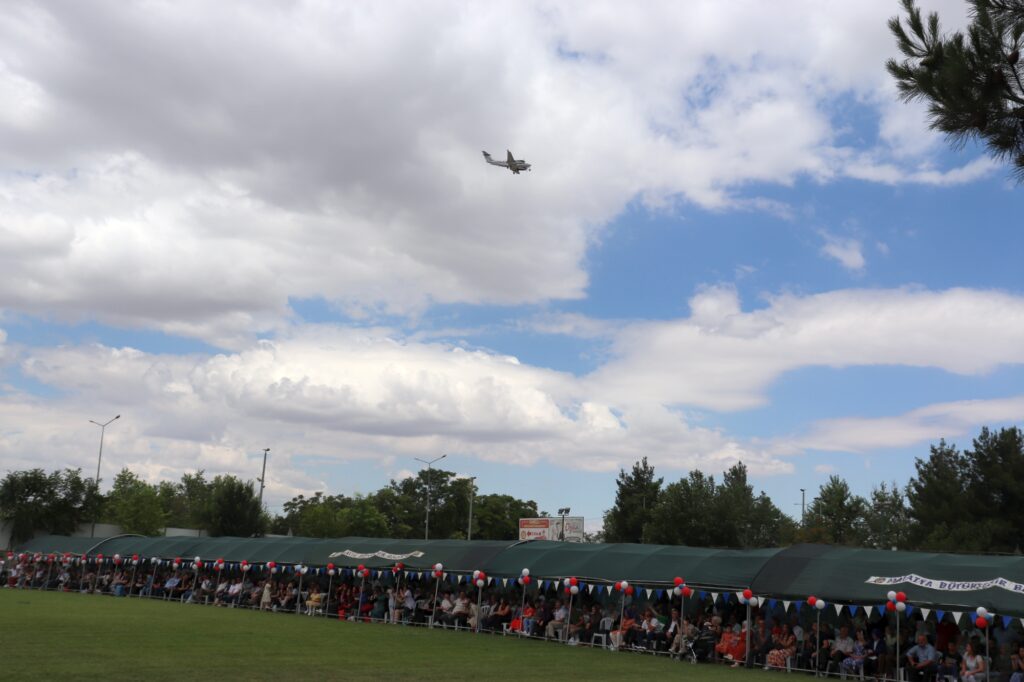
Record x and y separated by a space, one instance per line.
701 647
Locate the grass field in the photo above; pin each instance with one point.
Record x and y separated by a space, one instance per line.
75 636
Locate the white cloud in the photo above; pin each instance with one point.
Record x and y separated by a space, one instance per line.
724 358
929 423
826 469
332 150
846 250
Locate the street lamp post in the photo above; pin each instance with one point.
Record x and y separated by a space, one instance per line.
426 527
99 461
563 512
472 494
263 476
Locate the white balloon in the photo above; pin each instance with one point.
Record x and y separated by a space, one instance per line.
331 571
625 584
575 589
677 591
892 595
755 602
480 583
820 605
566 582
197 560
526 572
476 574
982 612
901 606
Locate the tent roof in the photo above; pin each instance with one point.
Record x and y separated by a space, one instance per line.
840 575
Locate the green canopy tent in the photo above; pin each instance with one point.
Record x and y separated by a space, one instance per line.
840 575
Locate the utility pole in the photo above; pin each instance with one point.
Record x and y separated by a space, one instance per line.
563 512
99 461
263 476
803 505
472 494
426 527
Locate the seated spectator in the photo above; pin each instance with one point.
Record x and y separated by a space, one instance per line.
528 619
461 611
921 660
853 664
841 647
875 662
557 622
949 661
1017 665
972 665
625 629
785 646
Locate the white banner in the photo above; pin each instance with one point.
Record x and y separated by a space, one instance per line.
379 555
948 585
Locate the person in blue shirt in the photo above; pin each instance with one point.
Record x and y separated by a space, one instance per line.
921 660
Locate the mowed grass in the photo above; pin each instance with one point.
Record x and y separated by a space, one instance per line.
76 636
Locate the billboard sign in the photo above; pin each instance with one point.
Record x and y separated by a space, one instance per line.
550 528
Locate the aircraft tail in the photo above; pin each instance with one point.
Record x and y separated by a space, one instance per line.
487 156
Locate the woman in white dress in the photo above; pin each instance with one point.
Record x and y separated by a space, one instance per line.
972 669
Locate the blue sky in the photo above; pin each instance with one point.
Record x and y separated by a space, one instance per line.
728 250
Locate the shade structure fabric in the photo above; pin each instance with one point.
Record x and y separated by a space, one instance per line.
841 575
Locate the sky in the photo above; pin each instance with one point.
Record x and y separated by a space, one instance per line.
250 225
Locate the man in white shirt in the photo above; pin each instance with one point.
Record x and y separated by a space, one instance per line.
557 621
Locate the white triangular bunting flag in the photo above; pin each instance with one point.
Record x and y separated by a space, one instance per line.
714 597
785 605
924 613
490 580
591 587
1022 622
839 609
649 592
739 596
957 615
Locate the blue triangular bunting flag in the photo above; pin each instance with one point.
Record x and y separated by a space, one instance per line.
853 609
702 594
1006 622
725 597
659 593
939 613
910 609
799 605
772 603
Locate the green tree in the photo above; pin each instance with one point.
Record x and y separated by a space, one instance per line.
235 508
971 82
362 518
496 517
684 513
838 514
55 503
134 505
636 497
936 498
887 519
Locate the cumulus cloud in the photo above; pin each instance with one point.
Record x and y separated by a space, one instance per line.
846 250
723 358
325 150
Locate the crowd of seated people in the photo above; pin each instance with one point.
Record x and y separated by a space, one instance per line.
855 646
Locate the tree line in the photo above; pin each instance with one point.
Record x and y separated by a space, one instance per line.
969 500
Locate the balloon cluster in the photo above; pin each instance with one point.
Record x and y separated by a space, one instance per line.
897 602
982 617
176 563
135 559
479 579
681 588
747 597
572 586
816 603
245 566
218 565
397 567
272 567
331 570
438 570
303 570
524 577
624 586
362 571
198 563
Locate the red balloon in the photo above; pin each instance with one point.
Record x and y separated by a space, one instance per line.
618 586
901 596
526 580
567 590
629 590
747 593
678 581
812 600
573 581
437 574
330 567
361 567
890 607
687 591
981 623
400 565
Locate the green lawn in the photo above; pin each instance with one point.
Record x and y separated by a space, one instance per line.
76 636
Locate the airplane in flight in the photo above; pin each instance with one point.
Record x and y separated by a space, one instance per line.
513 164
